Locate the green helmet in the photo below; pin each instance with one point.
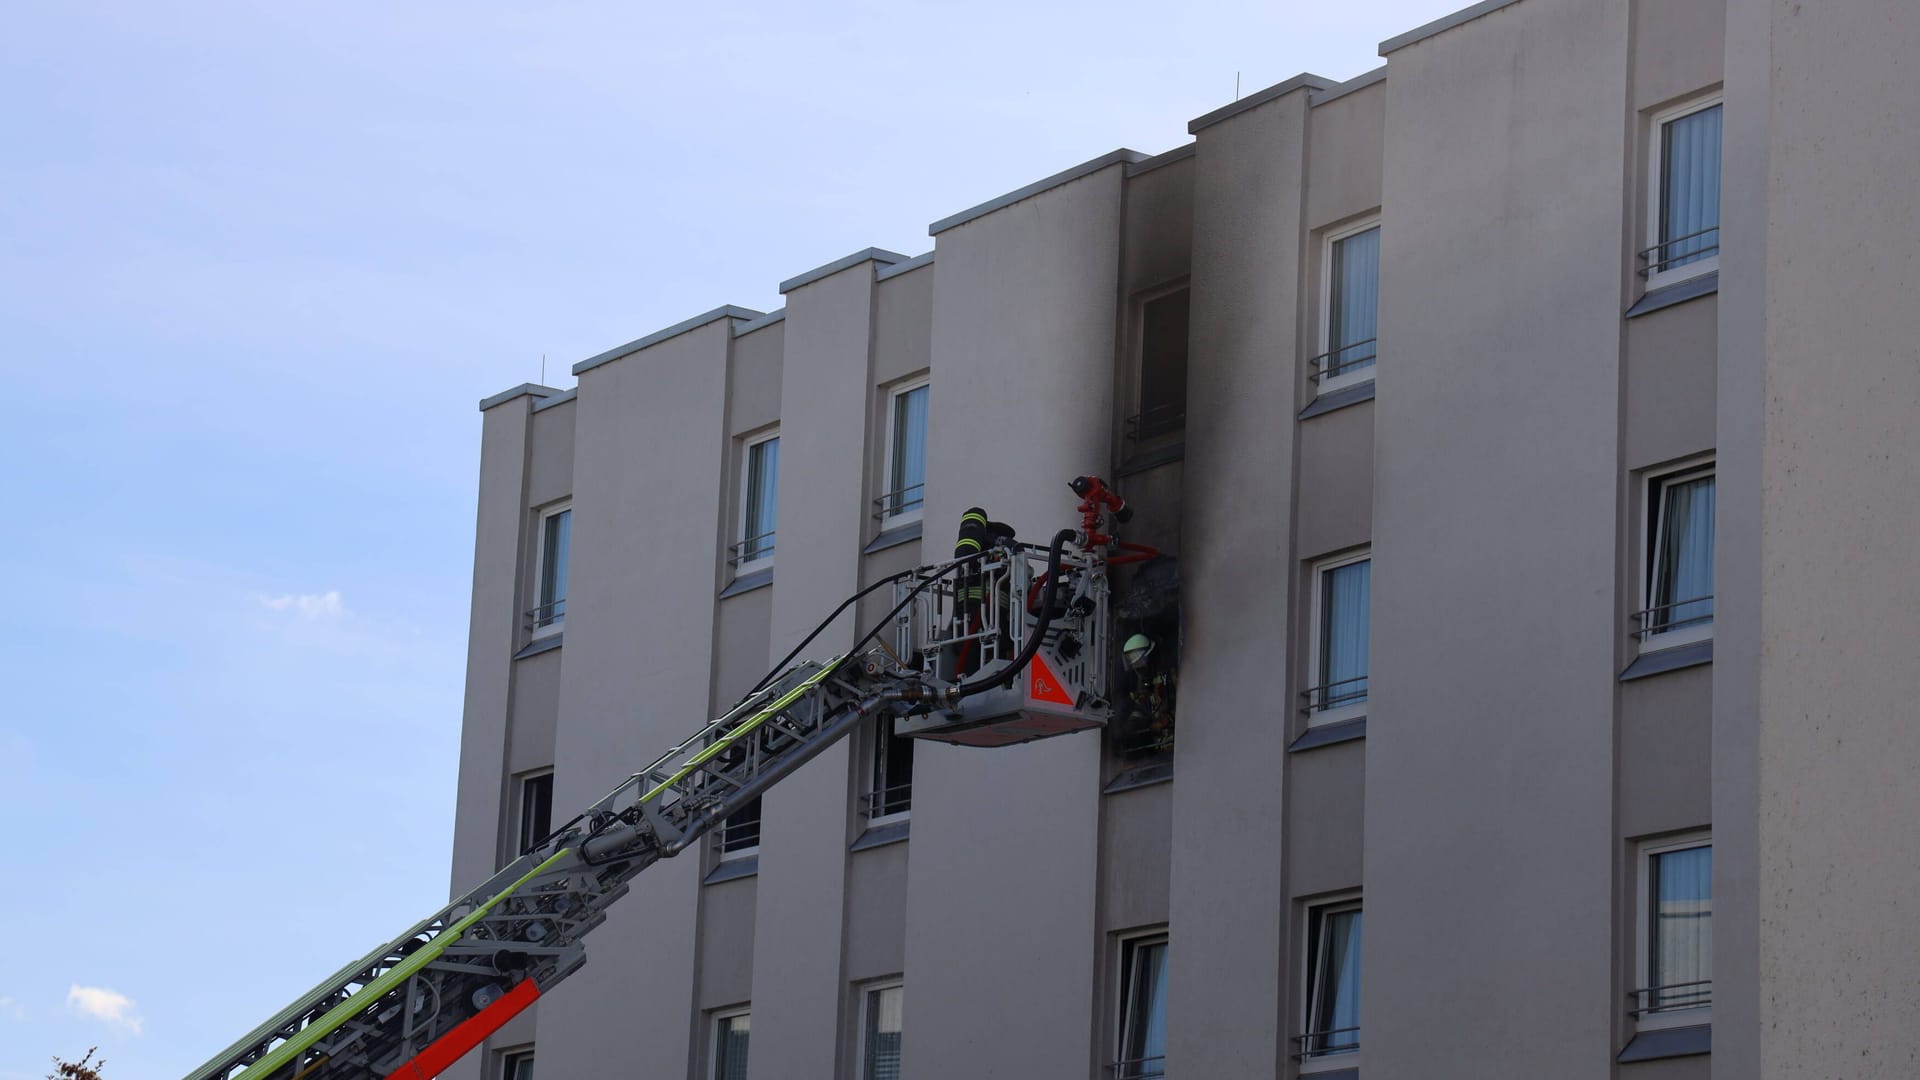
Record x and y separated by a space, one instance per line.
1137 649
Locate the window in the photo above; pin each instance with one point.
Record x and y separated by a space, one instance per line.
1350 313
517 1066
1342 604
740 832
1143 1009
880 1016
759 498
906 454
550 560
1333 980
1684 204
1163 366
535 816
892 792
730 1037
1679 558
1676 931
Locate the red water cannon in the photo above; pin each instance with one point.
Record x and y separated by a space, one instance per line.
1097 502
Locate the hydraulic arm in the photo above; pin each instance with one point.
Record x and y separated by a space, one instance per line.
1002 645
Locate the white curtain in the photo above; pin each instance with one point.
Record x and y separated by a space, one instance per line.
1690 188
909 451
763 492
1682 947
553 571
1355 307
883 1034
731 1051
1347 598
1686 555
1339 990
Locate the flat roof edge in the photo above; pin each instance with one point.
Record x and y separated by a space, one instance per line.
557 399
1358 82
847 262
1442 24
1122 156
915 263
1178 153
776 316
724 311
524 389
1305 80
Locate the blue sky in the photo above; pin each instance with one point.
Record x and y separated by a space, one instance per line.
257 264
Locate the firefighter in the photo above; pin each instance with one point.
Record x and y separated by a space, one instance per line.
1146 705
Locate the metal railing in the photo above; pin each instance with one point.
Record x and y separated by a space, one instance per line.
1144 743
1673 997
894 503
1335 694
1145 1068
545 615
1159 420
897 799
1659 618
1341 360
1659 259
738 836
752 549
1319 1044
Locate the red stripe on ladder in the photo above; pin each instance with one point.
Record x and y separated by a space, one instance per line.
452 1046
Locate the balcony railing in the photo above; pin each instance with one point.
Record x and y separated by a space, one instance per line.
1146 1068
548 614
1318 1044
897 799
1329 365
1664 617
1334 695
1679 251
752 549
894 503
739 836
1673 997
1159 420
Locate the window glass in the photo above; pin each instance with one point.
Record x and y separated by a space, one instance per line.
518 1067
1346 598
1689 189
908 454
763 490
1143 1012
1163 364
892 771
1681 595
1680 930
536 810
730 1047
741 831
1333 1020
1354 308
555 539
881 1054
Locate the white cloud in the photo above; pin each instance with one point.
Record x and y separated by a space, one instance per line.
11 1009
326 605
104 1004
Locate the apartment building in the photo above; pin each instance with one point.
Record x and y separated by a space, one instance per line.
1533 419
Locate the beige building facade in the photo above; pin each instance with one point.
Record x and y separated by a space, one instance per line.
1440 377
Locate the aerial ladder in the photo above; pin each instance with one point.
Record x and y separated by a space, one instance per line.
1005 643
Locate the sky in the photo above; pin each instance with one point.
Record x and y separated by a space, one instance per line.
258 263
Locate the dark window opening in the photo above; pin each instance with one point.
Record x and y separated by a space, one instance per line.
1163 367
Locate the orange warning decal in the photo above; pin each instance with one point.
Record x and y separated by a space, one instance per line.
1044 685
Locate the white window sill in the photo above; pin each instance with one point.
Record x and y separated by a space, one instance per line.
740 853
904 517
1685 635
1339 714
548 630
1330 1062
741 570
1343 380
1660 279
1674 1018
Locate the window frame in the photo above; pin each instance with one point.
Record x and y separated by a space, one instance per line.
1138 305
861 994
1311 943
1316 634
893 519
509 1059
1329 239
745 851
1653 524
1657 122
878 753
742 565
716 1018
1677 1016
556 622
1124 947
520 823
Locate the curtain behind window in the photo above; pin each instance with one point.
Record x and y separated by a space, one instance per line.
763 491
553 564
730 1049
1681 945
1684 570
1338 994
1346 600
909 451
1145 1036
1689 188
883 1034
1355 307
